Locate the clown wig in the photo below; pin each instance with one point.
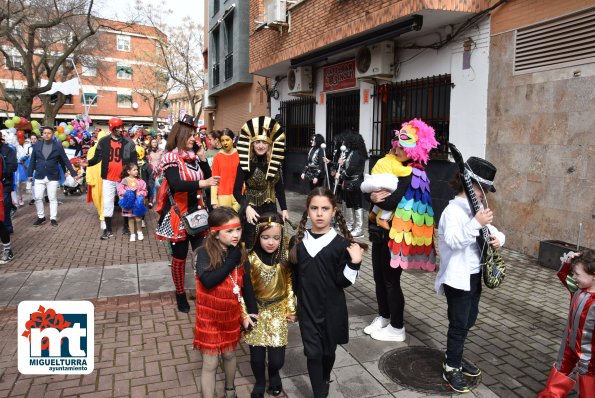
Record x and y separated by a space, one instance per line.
417 140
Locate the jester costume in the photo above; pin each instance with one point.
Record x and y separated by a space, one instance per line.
412 229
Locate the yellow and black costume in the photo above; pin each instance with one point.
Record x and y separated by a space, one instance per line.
271 281
258 180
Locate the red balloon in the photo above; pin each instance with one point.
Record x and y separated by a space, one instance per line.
79 134
20 134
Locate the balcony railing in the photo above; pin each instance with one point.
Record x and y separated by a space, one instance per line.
215 75
228 66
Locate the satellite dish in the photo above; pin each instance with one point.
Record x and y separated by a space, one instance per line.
363 59
291 79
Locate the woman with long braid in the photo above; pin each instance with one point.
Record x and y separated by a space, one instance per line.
324 264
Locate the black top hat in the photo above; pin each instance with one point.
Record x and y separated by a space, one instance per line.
482 171
188 120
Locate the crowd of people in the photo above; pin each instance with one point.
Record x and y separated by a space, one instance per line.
223 195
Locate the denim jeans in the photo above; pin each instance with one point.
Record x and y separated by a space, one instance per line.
463 308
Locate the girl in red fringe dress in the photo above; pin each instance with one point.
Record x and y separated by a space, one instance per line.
222 282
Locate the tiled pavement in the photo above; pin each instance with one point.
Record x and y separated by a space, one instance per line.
144 346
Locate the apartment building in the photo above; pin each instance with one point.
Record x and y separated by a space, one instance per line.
234 95
541 120
114 81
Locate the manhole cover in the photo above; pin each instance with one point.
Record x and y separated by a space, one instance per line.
419 368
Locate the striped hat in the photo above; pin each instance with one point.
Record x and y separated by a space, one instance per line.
262 128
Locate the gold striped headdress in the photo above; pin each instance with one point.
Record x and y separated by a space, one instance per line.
262 128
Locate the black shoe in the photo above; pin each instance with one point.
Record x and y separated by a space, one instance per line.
274 390
327 387
106 234
31 202
54 223
183 305
456 380
257 395
39 221
126 231
469 369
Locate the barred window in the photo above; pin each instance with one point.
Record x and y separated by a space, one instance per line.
297 117
396 103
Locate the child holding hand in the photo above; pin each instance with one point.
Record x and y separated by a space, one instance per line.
324 264
577 274
132 192
222 282
271 281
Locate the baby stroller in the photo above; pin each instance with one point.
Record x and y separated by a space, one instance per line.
71 186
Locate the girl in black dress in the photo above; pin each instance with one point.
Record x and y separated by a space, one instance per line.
324 263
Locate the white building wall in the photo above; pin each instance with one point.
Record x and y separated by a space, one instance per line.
468 101
469 96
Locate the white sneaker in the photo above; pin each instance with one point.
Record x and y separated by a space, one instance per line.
132 237
143 225
377 324
140 235
389 333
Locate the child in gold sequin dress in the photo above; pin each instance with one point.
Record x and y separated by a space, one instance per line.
271 281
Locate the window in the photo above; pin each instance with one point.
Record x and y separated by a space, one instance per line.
124 72
123 43
14 61
216 6
13 92
124 101
298 118
89 99
89 71
396 103
67 99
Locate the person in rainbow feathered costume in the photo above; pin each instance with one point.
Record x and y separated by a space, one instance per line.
409 243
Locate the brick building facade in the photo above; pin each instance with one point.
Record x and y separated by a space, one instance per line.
541 120
124 62
233 95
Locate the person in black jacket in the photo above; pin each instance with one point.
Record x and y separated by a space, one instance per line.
315 170
46 158
9 156
113 151
352 176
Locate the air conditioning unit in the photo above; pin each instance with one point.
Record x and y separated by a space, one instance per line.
299 80
375 61
275 11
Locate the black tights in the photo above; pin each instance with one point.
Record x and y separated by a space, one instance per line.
319 370
4 234
257 362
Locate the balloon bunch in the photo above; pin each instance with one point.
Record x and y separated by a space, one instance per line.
74 129
17 126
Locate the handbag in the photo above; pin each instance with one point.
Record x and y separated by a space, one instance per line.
195 222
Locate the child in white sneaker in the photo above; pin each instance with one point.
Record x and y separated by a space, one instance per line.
132 191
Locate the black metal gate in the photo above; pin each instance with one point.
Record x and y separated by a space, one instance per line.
427 99
297 117
342 113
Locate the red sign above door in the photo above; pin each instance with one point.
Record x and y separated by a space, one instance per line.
339 76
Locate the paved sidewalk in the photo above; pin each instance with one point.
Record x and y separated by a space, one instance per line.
143 345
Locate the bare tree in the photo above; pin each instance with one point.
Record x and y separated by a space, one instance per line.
37 37
153 84
182 54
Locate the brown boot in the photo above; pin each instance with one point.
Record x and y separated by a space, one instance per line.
372 217
383 224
